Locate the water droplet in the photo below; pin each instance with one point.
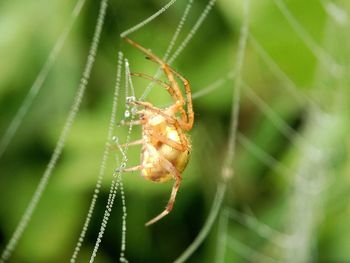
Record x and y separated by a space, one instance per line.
130 99
134 110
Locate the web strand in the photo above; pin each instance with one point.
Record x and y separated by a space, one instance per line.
38 83
309 177
214 85
227 171
276 237
267 111
116 182
184 43
178 30
10 247
247 252
221 242
263 156
103 162
169 49
147 20
289 85
117 179
326 60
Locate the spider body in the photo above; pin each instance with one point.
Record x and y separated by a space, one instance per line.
165 146
153 148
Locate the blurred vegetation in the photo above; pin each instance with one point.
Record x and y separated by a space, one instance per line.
308 200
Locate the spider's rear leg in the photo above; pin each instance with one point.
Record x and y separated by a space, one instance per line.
177 177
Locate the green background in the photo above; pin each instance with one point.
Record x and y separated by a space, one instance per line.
304 192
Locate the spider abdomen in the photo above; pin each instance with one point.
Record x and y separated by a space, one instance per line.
152 169
159 148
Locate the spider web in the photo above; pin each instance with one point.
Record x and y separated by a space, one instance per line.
308 175
311 171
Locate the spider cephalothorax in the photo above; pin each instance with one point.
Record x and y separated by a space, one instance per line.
165 147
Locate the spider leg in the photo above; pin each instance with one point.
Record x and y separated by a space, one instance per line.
187 121
137 142
170 168
171 143
169 119
159 111
160 82
114 146
165 67
132 169
169 89
133 122
190 117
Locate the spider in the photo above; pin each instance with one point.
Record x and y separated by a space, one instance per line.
165 147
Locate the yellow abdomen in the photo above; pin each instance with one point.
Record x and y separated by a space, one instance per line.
153 152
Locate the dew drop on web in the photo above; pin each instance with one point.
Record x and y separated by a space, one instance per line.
130 99
133 110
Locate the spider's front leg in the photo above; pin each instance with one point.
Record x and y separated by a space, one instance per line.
115 145
175 95
170 120
168 166
134 168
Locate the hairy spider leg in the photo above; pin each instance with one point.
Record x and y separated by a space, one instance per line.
189 99
177 177
133 122
161 138
170 120
160 82
115 147
168 166
133 143
168 88
164 66
187 122
132 169
168 71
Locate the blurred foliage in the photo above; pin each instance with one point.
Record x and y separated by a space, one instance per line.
29 30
